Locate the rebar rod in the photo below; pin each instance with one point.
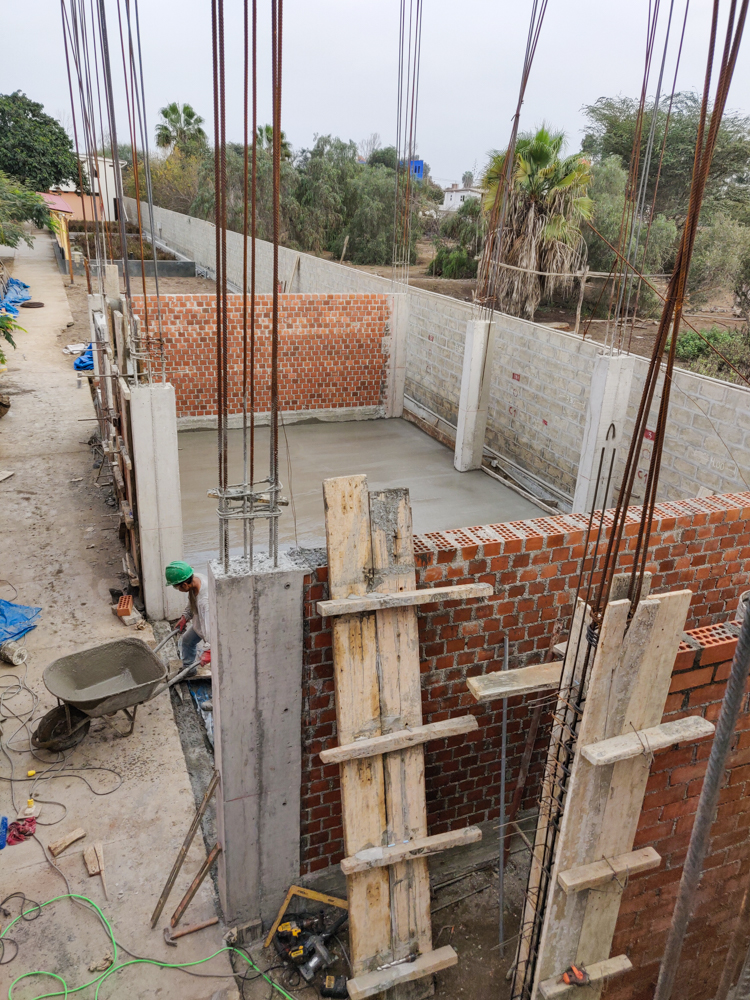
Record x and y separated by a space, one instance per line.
704 817
503 762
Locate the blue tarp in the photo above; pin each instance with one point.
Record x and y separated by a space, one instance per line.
85 363
16 292
16 620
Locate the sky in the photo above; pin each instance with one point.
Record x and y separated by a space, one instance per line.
340 66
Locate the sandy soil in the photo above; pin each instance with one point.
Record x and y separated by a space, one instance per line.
59 550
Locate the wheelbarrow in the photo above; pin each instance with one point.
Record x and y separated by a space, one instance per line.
96 684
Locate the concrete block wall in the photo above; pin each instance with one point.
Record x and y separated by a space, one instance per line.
533 567
540 378
708 435
333 352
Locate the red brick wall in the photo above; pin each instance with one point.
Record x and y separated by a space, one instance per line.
666 821
330 350
533 567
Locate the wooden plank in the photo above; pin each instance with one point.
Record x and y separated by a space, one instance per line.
628 684
58 846
551 989
641 708
354 604
381 857
601 872
633 744
372 983
401 707
510 683
610 641
400 739
358 715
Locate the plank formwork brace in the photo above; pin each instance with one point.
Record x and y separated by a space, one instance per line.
373 598
627 688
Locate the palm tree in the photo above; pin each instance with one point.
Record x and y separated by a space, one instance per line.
180 128
541 231
265 141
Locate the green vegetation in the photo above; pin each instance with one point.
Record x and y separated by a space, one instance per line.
459 242
733 345
180 128
8 326
19 204
34 148
542 232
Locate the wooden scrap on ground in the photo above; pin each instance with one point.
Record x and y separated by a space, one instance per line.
58 846
93 858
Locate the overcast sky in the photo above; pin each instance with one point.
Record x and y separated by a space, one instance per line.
340 68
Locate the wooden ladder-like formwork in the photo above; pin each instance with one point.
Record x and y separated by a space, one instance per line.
372 587
627 687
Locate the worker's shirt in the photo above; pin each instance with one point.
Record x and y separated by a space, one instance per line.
198 606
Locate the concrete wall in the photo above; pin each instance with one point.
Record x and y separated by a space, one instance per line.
540 377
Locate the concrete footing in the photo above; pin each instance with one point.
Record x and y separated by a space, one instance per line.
153 419
256 663
475 395
606 414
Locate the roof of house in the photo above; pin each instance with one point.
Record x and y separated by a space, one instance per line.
56 203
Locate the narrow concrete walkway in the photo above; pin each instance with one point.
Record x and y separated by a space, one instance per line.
59 549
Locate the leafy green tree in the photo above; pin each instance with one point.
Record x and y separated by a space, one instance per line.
174 181
467 179
181 127
611 131
34 147
8 326
722 248
542 232
326 191
370 226
607 193
386 157
19 204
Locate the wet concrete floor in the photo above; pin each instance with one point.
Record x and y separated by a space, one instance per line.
389 452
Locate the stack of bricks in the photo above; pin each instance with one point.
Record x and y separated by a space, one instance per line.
331 350
534 568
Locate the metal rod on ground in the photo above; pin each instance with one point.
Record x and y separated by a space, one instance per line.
503 755
691 872
185 848
195 885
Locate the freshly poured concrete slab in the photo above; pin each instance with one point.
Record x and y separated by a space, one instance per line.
389 452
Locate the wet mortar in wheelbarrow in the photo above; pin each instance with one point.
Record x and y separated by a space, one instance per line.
96 684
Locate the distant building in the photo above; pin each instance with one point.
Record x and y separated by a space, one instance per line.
103 195
455 196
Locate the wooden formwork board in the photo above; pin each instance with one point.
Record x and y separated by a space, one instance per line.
628 685
377 679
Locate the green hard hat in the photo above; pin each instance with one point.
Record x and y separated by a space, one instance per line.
178 572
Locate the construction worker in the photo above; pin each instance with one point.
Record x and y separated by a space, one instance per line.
182 577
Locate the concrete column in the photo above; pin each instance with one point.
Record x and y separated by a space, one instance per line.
153 419
112 283
606 413
395 344
256 664
479 349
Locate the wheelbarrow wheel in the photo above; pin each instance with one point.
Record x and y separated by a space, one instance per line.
54 733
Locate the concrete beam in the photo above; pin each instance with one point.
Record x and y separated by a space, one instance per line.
606 413
395 344
256 664
479 348
153 418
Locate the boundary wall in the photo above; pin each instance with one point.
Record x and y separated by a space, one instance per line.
334 353
541 377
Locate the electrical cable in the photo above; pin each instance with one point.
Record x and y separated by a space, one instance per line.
116 966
